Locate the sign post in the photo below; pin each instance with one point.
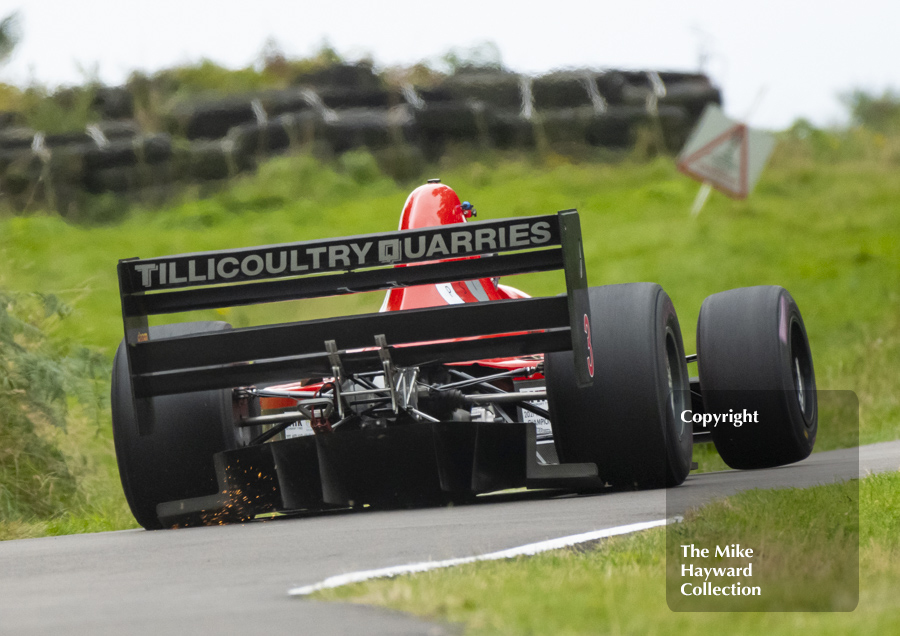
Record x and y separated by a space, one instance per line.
724 154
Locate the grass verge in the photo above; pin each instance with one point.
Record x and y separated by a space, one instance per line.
620 586
57 469
821 223
827 232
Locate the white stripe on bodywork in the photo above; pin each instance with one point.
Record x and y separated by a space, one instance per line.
384 304
448 293
477 289
529 549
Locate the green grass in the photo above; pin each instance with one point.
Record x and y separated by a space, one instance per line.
829 233
57 469
98 504
620 586
822 223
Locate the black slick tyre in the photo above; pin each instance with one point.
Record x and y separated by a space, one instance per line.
628 422
175 461
753 354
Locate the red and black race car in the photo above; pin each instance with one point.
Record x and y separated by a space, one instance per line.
458 386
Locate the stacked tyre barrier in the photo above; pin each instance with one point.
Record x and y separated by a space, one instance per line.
349 107
492 109
109 157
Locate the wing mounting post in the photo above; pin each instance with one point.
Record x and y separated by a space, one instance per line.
388 366
337 370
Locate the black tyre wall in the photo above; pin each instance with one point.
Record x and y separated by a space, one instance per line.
175 461
747 340
624 422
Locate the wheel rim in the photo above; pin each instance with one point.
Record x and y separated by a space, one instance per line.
676 380
802 372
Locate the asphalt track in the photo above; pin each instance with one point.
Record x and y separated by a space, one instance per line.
234 579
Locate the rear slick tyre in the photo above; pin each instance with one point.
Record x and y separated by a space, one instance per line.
628 422
175 461
753 354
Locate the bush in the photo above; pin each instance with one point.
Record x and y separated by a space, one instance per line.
880 113
66 110
37 372
361 166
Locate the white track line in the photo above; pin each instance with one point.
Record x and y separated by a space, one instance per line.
523 550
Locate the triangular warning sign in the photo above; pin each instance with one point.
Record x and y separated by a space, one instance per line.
725 154
722 162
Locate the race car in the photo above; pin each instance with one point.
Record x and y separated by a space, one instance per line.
458 386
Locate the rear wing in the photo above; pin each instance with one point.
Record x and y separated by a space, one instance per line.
309 269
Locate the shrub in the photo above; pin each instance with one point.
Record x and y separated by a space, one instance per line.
361 166
880 113
37 372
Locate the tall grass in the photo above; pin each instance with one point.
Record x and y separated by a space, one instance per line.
54 459
822 222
